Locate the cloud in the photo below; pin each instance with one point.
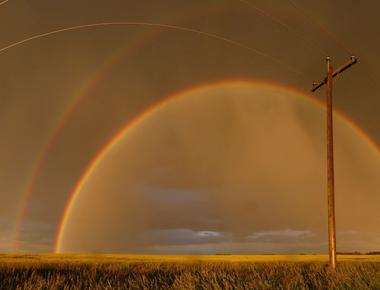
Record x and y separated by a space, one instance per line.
36 236
286 233
165 237
208 234
6 235
228 165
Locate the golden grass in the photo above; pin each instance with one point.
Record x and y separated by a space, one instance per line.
78 271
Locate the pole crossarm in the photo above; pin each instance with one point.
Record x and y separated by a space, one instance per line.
338 71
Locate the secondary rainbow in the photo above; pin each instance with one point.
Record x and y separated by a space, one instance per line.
98 158
78 98
75 102
72 106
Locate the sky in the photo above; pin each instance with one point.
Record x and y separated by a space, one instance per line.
185 126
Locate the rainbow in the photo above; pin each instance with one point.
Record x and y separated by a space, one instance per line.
72 106
78 98
133 123
83 92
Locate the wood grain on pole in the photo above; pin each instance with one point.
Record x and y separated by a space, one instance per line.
330 152
330 168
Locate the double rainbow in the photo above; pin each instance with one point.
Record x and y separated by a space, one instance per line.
129 126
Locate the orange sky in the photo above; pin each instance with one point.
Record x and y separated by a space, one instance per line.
225 168
64 96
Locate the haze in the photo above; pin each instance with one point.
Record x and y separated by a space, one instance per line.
233 168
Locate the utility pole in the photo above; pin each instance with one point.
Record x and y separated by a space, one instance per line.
330 152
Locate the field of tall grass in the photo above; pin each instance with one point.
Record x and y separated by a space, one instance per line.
187 272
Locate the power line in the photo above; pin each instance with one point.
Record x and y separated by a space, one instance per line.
159 25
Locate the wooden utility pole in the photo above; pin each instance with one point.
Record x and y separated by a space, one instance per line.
330 152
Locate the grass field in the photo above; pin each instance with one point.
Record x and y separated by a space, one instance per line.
187 272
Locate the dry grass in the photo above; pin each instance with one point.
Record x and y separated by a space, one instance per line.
186 272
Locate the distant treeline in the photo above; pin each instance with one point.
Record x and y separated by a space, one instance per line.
359 253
